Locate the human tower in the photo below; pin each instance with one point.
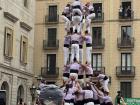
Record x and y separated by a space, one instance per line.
78 89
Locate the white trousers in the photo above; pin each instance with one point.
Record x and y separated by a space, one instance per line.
105 85
88 21
67 22
66 55
75 52
68 103
88 54
76 23
89 103
81 55
88 24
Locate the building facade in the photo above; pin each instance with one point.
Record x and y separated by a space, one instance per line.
16 49
116 44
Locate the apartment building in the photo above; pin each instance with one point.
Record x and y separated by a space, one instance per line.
16 49
116 44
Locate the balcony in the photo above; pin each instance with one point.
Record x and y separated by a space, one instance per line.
52 19
125 71
50 44
126 16
98 43
99 17
97 70
47 72
125 43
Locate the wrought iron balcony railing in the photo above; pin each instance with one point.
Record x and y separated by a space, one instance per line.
126 16
125 71
52 19
98 70
99 17
50 72
50 44
98 43
125 42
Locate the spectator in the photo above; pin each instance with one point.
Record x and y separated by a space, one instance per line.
119 98
120 11
21 102
128 10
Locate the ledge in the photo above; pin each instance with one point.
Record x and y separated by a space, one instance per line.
25 26
16 70
10 17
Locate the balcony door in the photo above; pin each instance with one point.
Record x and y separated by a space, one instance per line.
97 35
51 64
126 32
126 35
126 89
97 61
52 13
126 62
52 37
127 12
98 10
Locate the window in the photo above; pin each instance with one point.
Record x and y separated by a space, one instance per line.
8 42
96 61
126 9
126 89
126 32
52 13
52 37
126 61
25 3
51 63
97 35
98 10
23 49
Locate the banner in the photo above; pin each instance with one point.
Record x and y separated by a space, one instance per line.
132 101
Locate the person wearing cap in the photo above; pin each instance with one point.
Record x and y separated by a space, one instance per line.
66 16
103 79
66 47
119 98
88 40
75 46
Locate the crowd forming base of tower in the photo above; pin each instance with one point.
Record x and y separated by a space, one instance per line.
78 87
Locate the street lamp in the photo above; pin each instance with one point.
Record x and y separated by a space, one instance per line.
33 92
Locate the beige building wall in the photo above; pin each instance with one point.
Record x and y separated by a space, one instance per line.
14 74
111 30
